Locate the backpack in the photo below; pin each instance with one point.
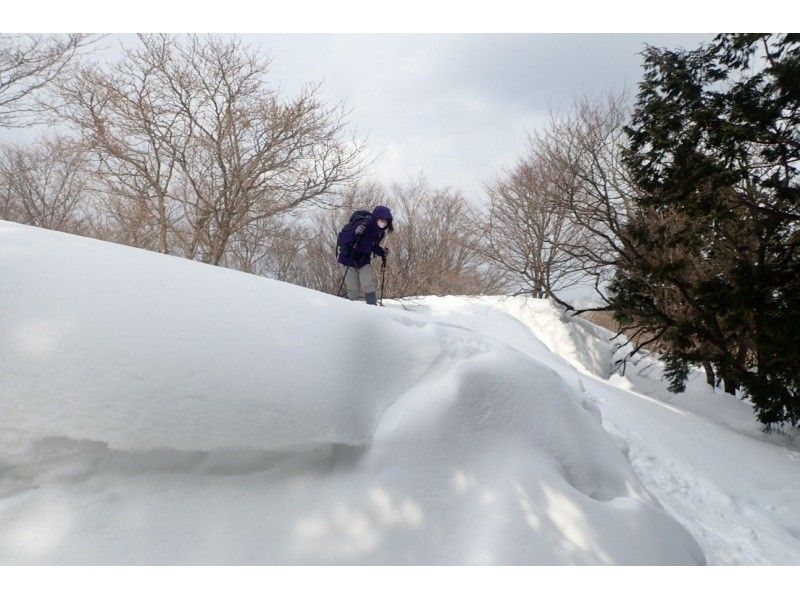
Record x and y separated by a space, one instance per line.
347 236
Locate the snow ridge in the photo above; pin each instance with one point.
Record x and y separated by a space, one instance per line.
157 410
701 454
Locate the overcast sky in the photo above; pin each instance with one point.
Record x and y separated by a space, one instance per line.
457 106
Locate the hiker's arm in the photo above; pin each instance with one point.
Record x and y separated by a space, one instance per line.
379 251
358 243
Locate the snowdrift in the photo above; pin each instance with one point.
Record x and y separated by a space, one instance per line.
158 410
701 453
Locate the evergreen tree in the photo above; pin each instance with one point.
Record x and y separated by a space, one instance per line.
714 262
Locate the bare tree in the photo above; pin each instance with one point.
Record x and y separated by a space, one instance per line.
273 248
8 202
433 248
526 230
191 142
583 154
45 184
28 64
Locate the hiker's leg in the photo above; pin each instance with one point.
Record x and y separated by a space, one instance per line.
351 282
367 281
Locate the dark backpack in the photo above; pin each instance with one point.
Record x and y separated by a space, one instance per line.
347 236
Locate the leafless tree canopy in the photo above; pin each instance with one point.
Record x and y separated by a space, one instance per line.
554 219
583 152
28 64
526 230
193 149
433 249
45 185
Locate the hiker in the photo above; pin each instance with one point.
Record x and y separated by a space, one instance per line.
358 240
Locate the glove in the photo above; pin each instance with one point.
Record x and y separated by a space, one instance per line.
360 229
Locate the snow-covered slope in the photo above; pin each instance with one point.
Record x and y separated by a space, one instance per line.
157 410
701 453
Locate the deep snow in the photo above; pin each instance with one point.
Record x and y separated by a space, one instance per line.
157 410
701 453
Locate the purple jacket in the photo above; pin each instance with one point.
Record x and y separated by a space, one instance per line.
367 242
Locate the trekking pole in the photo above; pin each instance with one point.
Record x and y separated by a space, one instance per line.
383 280
342 284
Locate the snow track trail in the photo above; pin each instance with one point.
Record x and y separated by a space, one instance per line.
701 454
736 495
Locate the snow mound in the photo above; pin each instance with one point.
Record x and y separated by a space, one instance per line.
140 351
158 410
701 453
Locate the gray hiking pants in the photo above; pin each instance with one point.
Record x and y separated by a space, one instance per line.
360 280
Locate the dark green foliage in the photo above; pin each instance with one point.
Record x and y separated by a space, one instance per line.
713 267
676 371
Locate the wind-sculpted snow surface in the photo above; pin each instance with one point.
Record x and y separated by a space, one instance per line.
158 410
701 453
141 351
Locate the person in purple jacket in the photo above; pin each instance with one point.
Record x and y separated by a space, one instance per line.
357 243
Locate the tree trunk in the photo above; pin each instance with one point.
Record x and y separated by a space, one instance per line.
710 379
730 386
